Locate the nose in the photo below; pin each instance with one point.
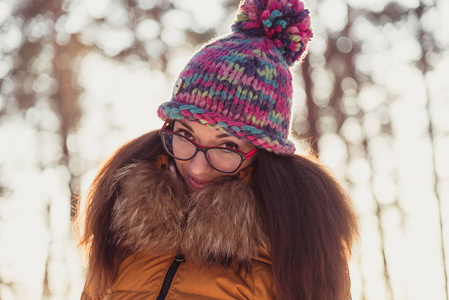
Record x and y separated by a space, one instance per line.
199 164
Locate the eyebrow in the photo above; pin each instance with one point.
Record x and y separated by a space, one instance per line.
222 135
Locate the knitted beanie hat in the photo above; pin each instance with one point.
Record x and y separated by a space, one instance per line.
241 84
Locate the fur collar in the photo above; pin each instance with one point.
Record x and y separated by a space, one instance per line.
220 224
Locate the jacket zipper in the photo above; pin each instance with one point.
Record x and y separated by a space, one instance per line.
169 276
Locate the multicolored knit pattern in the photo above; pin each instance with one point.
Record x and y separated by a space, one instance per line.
286 22
241 84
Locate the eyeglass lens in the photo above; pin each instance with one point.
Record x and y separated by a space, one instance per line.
182 148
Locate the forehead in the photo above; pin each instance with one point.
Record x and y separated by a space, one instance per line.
200 129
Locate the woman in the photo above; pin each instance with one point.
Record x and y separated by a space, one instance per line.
216 205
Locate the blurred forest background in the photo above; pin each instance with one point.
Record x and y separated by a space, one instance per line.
78 78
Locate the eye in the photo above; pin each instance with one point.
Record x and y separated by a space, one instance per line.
230 145
185 133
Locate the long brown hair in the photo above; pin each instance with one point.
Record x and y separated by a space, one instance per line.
307 215
95 237
311 224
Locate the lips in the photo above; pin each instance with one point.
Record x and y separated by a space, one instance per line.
195 183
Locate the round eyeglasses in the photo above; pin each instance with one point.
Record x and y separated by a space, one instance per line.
222 159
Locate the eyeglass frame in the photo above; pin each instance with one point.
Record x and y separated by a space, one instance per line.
244 156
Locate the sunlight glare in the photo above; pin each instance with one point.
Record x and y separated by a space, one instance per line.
11 39
371 97
323 81
334 12
359 171
352 131
117 16
362 197
147 30
371 261
183 19
99 8
173 37
442 34
206 13
122 99
5 11
333 153
113 41
147 4
372 125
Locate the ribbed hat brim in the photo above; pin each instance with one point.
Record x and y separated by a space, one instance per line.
179 111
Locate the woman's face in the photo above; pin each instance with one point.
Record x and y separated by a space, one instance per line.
197 172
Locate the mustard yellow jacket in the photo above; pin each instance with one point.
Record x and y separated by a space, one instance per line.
142 277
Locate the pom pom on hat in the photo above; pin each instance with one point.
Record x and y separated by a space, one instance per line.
286 22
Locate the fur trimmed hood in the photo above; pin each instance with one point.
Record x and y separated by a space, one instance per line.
152 214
